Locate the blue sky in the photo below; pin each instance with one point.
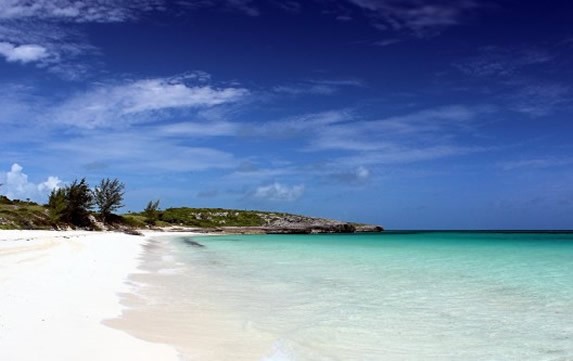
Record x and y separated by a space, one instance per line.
405 113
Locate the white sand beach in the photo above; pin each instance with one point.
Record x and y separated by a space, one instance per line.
56 288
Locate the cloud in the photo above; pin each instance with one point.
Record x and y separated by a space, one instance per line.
386 42
77 10
140 101
536 163
247 7
62 46
538 98
50 184
288 5
426 134
301 125
248 171
278 192
23 53
318 87
141 125
139 151
305 89
17 186
422 135
398 154
520 78
46 33
204 129
385 134
358 175
493 61
18 102
420 17
124 126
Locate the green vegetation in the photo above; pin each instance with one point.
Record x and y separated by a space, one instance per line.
23 215
71 207
72 204
207 217
134 220
151 212
108 196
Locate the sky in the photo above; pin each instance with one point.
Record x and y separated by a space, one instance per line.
411 114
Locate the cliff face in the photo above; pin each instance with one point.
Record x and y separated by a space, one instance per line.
301 224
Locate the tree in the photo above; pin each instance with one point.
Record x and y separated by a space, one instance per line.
151 212
72 204
108 196
57 204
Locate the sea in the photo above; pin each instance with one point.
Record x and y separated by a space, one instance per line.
445 296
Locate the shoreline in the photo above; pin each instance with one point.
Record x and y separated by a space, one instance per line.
58 288
160 310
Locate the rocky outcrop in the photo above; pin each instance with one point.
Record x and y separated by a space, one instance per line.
219 220
291 224
366 228
287 224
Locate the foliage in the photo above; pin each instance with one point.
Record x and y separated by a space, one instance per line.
212 217
57 204
108 196
24 215
134 220
151 212
72 204
5 200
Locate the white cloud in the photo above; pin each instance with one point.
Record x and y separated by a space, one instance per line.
358 175
195 129
17 186
42 32
429 125
46 32
398 154
23 53
318 87
499 62
386 42
279 192
46 45
536 163
539 98
50 184
140 101
515 73
77 10
304 125
421 17
362 173
139 151
245 6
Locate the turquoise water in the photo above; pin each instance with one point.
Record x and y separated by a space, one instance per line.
390 296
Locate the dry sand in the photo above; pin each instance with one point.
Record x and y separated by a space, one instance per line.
56 288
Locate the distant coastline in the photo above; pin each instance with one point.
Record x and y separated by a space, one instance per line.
414 231
17 214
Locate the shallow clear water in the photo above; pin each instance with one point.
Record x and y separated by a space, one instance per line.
390 296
